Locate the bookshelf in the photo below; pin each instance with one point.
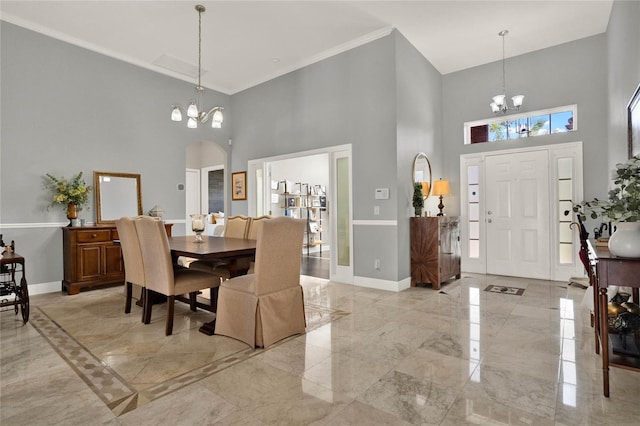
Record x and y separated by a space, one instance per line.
301 201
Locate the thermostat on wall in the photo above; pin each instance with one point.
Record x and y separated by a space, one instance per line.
382 193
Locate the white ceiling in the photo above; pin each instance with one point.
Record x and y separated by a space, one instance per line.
242 38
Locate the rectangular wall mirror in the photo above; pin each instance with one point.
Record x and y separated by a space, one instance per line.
117 195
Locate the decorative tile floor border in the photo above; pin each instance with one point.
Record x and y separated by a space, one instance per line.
121 397
514 291
103 381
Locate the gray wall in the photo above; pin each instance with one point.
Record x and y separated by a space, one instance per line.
66 109
345 99
383 98
419 129
571 73
623 44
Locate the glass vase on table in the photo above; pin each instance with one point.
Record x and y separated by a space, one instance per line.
198 225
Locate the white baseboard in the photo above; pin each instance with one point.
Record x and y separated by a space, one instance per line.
44 288
382 284
55 286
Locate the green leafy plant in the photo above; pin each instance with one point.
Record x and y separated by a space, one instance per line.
418 201
67 191
623 204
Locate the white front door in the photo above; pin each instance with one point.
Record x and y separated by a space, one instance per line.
517 214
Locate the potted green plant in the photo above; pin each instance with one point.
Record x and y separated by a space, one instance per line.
418 200
622 207
72 193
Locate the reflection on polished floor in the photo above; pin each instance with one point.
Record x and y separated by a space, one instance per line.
461 355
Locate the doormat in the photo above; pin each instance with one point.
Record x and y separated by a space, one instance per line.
515 291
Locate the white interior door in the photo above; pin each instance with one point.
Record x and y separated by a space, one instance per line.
257 179
517 214
192 197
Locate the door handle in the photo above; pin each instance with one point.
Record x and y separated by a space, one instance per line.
489 220
489 212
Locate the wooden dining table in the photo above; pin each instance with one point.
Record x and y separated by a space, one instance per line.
237 254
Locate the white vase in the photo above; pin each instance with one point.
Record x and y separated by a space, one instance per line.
625 241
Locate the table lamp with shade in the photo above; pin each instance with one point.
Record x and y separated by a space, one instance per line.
441 188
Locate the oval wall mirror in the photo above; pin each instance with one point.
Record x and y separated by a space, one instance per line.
422 173
117 195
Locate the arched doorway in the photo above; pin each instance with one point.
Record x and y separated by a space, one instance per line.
205 177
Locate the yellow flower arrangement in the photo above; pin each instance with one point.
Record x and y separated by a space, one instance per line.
69 191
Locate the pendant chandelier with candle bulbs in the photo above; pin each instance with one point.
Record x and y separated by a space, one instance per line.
195 113
499 103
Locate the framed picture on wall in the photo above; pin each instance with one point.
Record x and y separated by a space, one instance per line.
633 115
239 186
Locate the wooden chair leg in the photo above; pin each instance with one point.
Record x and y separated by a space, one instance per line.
147 307
170 305
213 294
127 302
143 297
192 300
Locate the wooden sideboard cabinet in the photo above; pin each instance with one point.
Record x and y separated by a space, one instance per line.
91 257
435 250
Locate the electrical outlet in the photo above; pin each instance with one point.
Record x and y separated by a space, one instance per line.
376 264
376 210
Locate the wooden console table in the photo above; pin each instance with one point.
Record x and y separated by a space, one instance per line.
619 271
435 249
91 257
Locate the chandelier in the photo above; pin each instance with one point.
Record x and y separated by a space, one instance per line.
194 112
499 103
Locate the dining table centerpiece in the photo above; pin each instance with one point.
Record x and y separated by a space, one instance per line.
72 194
198 224
622 208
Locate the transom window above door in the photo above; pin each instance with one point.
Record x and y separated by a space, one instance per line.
517 126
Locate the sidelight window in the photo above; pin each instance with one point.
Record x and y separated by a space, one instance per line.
473 213
564 169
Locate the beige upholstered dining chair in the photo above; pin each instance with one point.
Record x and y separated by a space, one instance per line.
160 275
132 256
236 226
252 232
262 308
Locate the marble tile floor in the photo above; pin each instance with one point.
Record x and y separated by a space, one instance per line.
461 355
